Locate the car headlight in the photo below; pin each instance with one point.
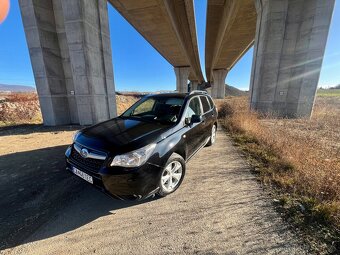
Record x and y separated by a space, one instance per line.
134 158
75 136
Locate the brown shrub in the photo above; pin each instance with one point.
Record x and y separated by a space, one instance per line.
24 108
124 102
20 108
22 97
308 149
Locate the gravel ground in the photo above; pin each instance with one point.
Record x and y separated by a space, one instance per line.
219 209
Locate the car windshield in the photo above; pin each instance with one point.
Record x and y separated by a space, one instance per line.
160 109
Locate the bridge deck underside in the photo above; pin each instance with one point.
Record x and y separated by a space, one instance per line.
169 26
231 26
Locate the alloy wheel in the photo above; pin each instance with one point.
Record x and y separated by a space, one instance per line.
213 134
171 176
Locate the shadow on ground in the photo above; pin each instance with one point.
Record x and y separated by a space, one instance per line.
34 187
25 129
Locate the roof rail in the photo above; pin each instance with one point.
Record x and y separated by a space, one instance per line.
198 91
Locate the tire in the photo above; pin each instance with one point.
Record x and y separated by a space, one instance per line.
212 139
174 167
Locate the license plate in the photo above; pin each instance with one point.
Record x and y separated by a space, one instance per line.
82 175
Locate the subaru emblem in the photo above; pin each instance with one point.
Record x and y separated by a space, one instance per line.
84 153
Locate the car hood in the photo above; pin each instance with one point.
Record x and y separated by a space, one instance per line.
120 135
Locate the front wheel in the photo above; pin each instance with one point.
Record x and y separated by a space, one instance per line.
212 139
172 175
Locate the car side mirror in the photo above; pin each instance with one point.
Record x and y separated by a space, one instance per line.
196 119
187 121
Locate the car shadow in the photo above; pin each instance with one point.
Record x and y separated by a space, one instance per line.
25 129
35 187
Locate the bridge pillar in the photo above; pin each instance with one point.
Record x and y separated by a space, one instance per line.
289 47
69 45
182 75
193 85
218 86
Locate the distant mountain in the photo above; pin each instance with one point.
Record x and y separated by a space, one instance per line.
232 91
16 88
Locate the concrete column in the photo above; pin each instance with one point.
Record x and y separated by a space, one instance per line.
87 34
47 62
209 90
70 52
182 75
193 85
218 86
290 41
65 59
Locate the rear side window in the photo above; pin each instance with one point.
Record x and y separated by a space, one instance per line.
211 102
194 108
205 104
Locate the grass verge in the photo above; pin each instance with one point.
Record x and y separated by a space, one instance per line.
294 163
329 92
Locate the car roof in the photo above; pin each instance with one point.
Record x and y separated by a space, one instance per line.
170 94
177 94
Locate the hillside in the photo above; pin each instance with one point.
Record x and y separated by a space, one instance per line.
232 91
16 88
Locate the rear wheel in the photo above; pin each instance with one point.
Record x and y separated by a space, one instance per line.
172 175
212 139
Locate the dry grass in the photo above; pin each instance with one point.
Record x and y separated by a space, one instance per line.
19 108
125 101
24 108
301 158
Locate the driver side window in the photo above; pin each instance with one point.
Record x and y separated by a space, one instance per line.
194 108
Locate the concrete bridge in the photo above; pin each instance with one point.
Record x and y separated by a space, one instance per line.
69 45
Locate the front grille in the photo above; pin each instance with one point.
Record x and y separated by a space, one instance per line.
89 164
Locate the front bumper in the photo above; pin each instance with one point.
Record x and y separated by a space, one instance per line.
124 183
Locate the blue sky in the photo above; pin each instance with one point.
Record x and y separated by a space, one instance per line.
137 66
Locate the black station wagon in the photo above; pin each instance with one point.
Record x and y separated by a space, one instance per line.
144 151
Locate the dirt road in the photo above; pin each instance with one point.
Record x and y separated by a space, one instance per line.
219 209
